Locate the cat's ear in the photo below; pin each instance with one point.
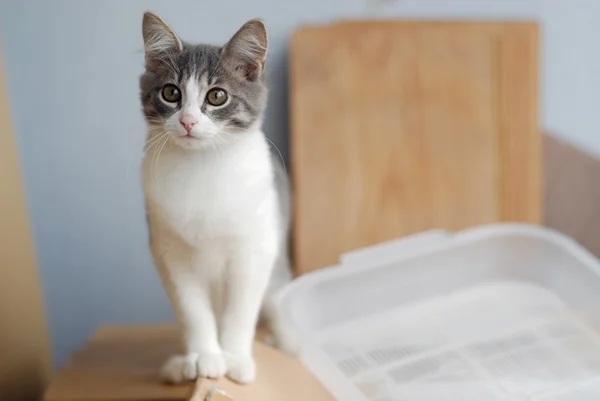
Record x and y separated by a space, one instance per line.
246 53
158 37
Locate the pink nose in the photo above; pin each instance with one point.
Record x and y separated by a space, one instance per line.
188 121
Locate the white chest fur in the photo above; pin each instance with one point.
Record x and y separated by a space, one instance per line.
212 193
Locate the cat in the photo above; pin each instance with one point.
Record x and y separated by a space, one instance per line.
217 199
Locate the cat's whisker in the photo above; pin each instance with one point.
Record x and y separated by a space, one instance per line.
147 146
151 142
154 140
155 162
280 155
152 137
218 140
153 174
214 146
218 146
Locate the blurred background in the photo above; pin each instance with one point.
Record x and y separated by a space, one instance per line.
72 73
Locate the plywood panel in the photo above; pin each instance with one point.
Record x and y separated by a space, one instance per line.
399 127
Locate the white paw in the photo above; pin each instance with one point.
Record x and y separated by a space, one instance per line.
182 368
212 366
240 368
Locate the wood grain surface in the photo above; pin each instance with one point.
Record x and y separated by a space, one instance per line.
121 363
399 127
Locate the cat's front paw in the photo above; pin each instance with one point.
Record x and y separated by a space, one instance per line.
182 368
240 368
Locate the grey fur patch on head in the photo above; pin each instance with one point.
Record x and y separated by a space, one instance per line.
237 67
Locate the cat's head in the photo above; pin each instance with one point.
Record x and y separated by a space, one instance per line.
198 94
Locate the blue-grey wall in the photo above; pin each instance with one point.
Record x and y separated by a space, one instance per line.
73 68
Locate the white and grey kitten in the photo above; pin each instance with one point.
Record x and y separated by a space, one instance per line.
218 202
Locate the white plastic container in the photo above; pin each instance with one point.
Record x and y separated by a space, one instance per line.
502 312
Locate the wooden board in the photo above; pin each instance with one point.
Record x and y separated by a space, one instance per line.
121 363
399 127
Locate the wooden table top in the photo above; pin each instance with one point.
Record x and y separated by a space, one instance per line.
121 363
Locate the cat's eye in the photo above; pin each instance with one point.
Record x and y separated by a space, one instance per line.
171 93
216 97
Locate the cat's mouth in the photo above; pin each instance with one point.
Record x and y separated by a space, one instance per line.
193 135
191 141
187 136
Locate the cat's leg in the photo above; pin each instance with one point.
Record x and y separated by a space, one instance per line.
247 278
191 300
